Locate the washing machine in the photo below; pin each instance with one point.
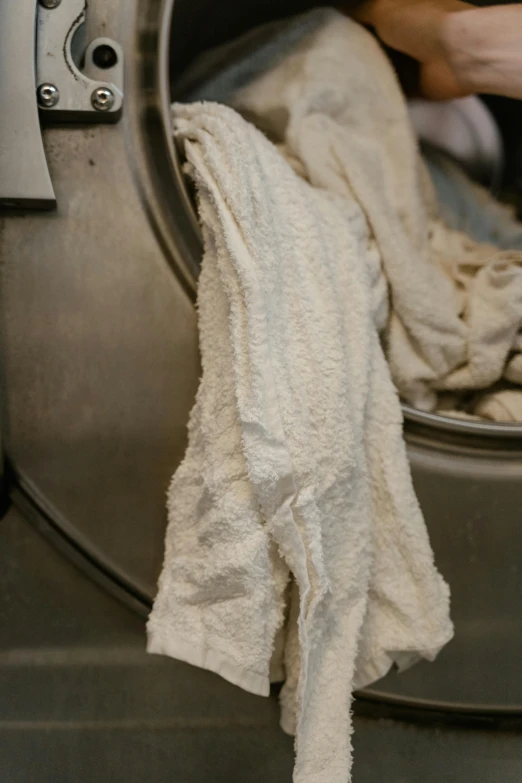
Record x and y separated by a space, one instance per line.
99 251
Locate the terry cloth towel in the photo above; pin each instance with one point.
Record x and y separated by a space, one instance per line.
468 207
293 511
323 90
502 406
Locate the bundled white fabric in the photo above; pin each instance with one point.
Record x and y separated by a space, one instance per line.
293 511
503 406
322 88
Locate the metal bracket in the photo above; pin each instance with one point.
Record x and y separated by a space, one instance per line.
68 81
66 93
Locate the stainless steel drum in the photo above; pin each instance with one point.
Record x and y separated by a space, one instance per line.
100 359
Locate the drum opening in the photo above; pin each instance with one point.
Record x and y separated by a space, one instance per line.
187 30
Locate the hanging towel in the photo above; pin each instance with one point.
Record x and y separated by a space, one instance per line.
295 462
292 517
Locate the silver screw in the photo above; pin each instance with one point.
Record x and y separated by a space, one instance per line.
102 99
50 3
48 95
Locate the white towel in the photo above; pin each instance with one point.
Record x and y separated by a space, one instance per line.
469 208
321 88
503 406
293 508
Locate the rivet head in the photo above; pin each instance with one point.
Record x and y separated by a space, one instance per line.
102 99
50 3
48 95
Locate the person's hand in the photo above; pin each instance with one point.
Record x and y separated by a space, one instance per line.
461 49
418 28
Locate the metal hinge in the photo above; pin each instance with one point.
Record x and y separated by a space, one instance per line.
50 73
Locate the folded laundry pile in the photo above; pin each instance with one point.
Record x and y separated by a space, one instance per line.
296 550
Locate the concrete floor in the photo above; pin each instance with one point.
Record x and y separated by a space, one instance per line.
80 701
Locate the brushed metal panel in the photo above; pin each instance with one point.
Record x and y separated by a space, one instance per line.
471 502
100 359
24 176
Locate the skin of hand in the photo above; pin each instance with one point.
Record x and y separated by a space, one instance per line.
461 49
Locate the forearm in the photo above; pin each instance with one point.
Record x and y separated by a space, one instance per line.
484 49
461 49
